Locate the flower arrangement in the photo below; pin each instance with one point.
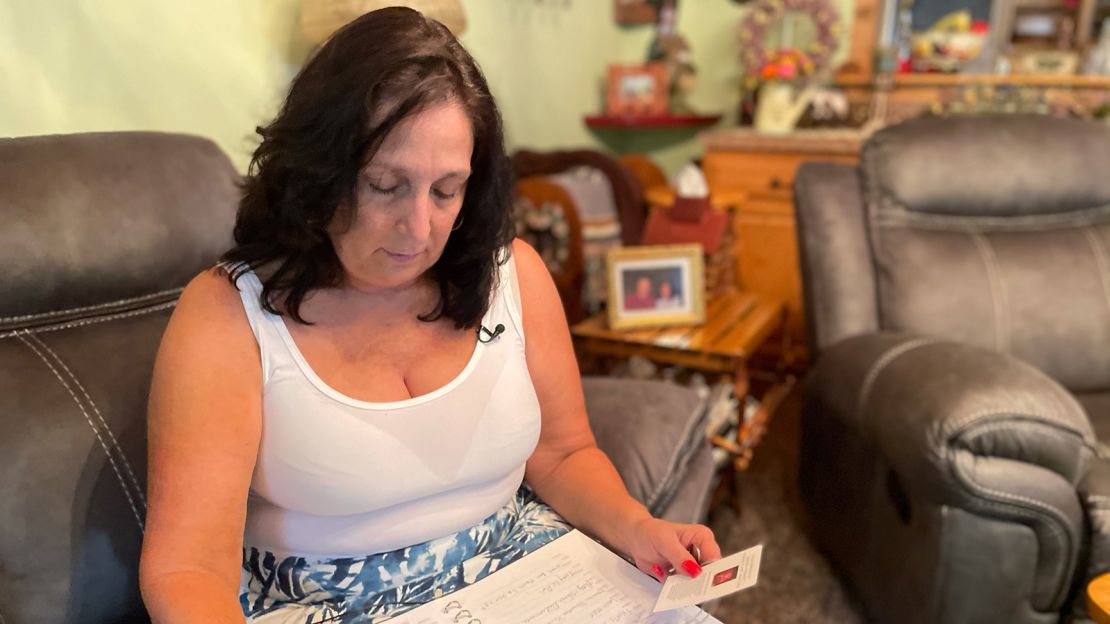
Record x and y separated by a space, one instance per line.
788 64
763 63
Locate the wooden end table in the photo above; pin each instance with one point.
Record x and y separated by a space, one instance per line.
736 325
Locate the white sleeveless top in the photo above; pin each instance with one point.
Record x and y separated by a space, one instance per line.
339 477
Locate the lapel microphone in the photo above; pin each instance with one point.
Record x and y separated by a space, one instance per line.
490 334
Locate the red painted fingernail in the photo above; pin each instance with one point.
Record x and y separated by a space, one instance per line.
692 568
656 570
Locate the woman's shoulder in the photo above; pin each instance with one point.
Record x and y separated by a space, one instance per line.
209 330
526 260
537 290
211 300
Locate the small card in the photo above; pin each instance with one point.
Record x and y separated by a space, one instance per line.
720 578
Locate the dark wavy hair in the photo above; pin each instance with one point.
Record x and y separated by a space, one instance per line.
357 87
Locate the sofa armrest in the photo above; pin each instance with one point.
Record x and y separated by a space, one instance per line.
969 428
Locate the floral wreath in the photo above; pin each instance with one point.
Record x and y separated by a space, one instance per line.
763 14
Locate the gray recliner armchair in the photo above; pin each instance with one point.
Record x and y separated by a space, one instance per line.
99 233
957 288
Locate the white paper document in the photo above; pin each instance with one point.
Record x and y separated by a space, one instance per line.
572 580
720 578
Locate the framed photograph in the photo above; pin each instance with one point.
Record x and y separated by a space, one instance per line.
656 285
636 90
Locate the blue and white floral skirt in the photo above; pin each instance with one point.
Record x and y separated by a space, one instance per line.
364 590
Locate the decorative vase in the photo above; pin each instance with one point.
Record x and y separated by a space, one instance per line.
780 106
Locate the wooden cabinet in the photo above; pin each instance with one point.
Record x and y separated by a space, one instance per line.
761 169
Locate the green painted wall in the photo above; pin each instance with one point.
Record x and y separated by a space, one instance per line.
546 65
218 68
210 67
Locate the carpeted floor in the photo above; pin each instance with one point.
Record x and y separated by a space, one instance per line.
795 582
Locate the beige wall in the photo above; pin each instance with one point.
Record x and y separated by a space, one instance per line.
218 68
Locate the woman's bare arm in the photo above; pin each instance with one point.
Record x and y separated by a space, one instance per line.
567 470
204 429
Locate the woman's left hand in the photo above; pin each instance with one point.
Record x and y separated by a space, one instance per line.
657 545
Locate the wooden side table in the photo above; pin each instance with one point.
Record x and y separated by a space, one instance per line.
736 325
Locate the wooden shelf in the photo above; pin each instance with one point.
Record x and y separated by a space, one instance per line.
660 121
844 141
954 80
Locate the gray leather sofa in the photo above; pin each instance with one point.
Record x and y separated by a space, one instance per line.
98 234
957 288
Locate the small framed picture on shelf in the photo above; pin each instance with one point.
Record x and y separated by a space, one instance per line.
656 285
636 90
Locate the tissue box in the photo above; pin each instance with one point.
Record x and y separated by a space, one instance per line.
691 209
711 231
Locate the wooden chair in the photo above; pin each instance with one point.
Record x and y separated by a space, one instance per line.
535 189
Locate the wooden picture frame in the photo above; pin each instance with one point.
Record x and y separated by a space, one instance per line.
636 90
655 285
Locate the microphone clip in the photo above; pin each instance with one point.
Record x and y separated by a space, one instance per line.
490 335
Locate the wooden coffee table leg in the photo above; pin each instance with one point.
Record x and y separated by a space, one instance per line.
742 384
741 387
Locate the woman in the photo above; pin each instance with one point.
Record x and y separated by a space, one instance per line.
667 299
315 452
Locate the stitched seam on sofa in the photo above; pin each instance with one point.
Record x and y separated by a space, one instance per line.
1017 420
1056 532
881 363
998 292
90 321
1049 509
900 215
1013 423
953 426
680 451
1038 510
99 306
96 431
99 417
